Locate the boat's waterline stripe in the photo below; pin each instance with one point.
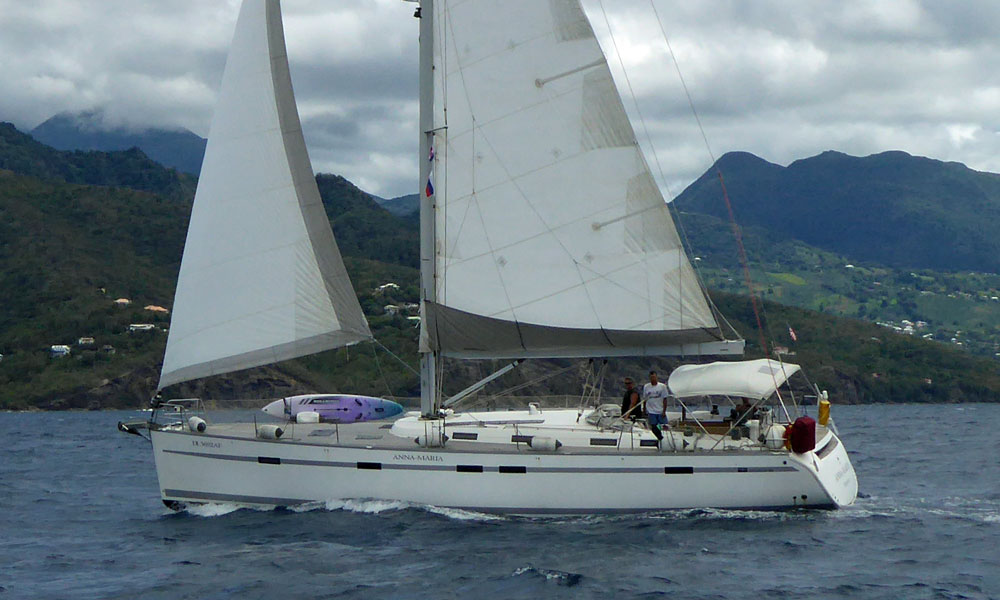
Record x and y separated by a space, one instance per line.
669 470
190 495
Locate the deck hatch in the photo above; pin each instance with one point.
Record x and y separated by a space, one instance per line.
374 466
469 468
464 435
603 442
513 469
678 470
268 460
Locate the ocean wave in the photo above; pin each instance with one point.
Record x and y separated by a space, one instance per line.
968 509
380 506
550 575
362 506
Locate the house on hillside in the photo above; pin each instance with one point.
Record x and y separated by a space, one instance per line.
387 287
156 309
85 342
59 350
415 321
108 349
141 327
390 309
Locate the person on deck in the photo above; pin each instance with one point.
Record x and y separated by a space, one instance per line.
742 413
655 394
630 400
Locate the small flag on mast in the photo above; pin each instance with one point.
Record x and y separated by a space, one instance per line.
429 190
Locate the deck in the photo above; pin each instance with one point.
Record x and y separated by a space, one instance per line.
376 435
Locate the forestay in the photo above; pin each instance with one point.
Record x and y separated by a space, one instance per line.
261 279
552 238
747 379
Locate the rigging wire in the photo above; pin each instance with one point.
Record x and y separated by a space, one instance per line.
381 373
686 242
520 386
401 361
758 307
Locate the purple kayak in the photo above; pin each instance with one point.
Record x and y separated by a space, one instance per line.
335 408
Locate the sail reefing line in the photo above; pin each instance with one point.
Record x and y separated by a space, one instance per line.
261 279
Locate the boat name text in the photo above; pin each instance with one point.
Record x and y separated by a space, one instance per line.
206 444
424 457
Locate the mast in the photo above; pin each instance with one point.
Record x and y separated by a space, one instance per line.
428 359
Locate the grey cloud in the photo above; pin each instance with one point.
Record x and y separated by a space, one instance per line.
783 79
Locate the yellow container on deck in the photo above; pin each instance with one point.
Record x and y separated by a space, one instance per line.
824 412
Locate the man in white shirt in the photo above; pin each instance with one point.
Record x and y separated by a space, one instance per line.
654 394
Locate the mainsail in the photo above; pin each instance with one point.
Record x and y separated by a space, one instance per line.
551 235
261 279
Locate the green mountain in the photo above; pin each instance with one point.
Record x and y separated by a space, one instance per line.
891 208
68 250
22 154
363 228
88 130
960 308
403 206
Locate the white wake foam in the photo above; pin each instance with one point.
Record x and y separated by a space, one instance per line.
213 509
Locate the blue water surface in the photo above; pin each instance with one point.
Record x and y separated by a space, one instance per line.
80 517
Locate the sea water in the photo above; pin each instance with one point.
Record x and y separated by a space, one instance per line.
80 517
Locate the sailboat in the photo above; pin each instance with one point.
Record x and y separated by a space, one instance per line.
543 235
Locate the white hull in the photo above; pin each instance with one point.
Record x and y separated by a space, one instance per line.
231 467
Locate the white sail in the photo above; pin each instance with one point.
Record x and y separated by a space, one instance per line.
552 238
261 279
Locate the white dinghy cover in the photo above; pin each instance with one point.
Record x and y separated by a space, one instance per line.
747 379
552 238
261 279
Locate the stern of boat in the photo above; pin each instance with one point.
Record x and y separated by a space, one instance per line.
830 465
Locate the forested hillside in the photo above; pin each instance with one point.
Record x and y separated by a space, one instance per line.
79 230
890 208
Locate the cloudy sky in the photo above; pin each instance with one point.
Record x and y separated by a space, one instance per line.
782 79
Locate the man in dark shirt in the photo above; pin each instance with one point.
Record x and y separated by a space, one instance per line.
630 400
742 413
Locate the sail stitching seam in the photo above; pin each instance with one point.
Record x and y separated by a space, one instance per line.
461 73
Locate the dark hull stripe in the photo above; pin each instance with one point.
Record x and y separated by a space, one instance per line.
201 497
406 467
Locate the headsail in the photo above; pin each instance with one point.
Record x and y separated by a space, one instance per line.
552 238
261 279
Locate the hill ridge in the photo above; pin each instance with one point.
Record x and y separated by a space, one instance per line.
892 208
88 130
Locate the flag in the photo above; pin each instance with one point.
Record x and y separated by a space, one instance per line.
429 189
791 334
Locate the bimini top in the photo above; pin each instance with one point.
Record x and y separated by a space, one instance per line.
747 379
